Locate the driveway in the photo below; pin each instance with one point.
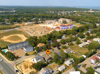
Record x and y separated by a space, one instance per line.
67 72
55 71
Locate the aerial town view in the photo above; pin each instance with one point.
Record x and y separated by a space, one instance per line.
49 37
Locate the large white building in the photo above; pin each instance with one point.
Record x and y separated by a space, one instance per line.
64 19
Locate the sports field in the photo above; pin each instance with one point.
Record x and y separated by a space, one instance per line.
10 37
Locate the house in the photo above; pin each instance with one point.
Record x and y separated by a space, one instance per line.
97 71
98 55
89 41
40 45
64 19
47 58
64 27
94 59
84 56
97 24
75 72
61 68
68 62
83 44
38 58
58 52
50 42
69 50
97 39
28 48
45 71
16 46
58 40
63 37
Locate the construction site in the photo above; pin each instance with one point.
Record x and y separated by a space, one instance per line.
36 30
27 66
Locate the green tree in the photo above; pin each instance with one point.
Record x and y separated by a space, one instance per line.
93 45
90 70
39 65
77 41
62 41
55 57
63 54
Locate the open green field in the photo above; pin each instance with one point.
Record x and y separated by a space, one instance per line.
14 38
4 43
78 49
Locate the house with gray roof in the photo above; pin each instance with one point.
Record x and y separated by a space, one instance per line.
38 58
61 68
16 46
46 71
28 48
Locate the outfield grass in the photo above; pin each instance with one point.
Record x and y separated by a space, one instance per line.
78 49
14 38
3 43
52 66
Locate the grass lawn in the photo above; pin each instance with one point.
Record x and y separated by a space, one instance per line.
74 54
14 38
52 66
1 72
78 49
31 53
3 43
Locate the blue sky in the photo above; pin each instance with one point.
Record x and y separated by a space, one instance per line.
50 2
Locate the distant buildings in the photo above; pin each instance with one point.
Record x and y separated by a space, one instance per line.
64 19
69 26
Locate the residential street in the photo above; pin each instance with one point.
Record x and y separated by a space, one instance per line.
6 67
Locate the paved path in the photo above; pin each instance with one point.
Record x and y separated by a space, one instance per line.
26 57
6 67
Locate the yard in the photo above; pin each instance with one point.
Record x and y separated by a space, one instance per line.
74 54
78 49
52 66
67 68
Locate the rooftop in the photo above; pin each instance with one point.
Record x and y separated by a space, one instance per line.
97 70
41 44
95 58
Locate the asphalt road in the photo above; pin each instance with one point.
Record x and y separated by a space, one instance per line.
6 67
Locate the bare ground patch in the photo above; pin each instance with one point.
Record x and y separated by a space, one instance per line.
6 38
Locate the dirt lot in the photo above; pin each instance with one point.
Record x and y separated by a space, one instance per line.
26 67
36 30
14 38
16 52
